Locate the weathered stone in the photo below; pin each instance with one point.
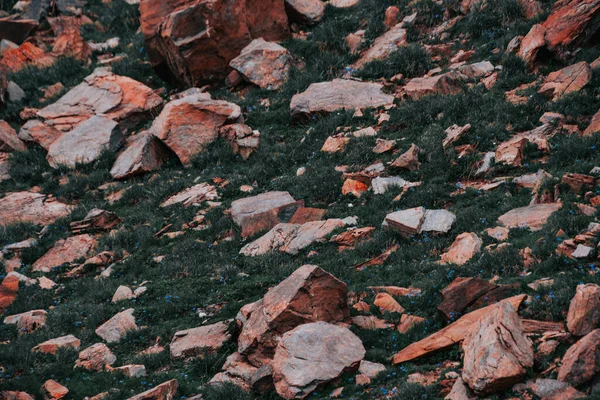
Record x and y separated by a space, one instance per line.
381 185
28 321
65 251
460 294
477 70
438 221
307 214
326 97
567 80
454 133
335 144
9 141
8 291
550 389
312 355
391 16
132 370
30 207
584 310
53 390
353 236
237 371
581 362
164 391
196 342
193 196
143 153
464 247
266 64
406 222
407 322
25 55
53 345
533 217
371 322
70 43
122 293
11 395
117 327
96 219
354 187
386 302
408 160
38 132
383 46
571 23
444 84
243 140
305 11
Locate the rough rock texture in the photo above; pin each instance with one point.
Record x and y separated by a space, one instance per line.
550 389
497 352
408 160
461 293
312 355
31 207
65 251
117 327
143 153
194 42
464 247
196 342
164 391
28 321
584 310
444 84
51 346
386 302
259 213
10 395
25 55
188 124
571 23
533 217
85 143
307 295
305 11
238 371
96 220
193 196
53 390
8 291
531 44
594 125
97 357
70 43
9 141
567 80
243 140
266 64
407 222
325 97
132 370
383 46
582 360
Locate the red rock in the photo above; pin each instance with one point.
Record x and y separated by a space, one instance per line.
407 322
117 327
594 125
164 391
408 160
305 11
243 140
383 46
533 217
461 293
567 80
53 345
444 84
53 390
351 237
584 310
70 43
354 187
581 362
26 54
464 247
30 207
237 371
6 395
65 251
455 133
38 132
9 141
28 321
571 23
193 196
335 144
385 302
194 42
578 182
391 16
143 153
264 211
313 355
450 335
550 389
188 124
371 322
196 342
306 214
266 64
96 220
383 146
8 292
541 327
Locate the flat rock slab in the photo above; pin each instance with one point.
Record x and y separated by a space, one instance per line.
416 220
533 217
143 153
28 321
312 355
383 46
117 327
193 196
446 84
196 342
266 64
53 345
65 251
31 207
326 97
97 357
567 80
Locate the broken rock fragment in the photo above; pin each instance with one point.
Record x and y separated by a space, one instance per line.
584 310
305 11
243 140
533 217
193 196
266 64
196 342
143 153
29 321
9 141
164 391
464 247
53 345
581 362
53 390
444 84
96 219
416 220
65 251
567 80
117 327
383 46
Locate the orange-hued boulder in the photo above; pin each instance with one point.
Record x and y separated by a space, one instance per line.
584 310
567 80
8 291
53 345
70 43
571 22
25 55
53 390
65 251
581 362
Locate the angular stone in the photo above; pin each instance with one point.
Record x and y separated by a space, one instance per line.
31 207
464 247
408 160
266 64
438 221
477 70
550 389
53 390
65 251
117 327
28 321
326 97
237 371
354 187
96 219
444 84
335 144
70 43
132 370
193 196
306 214
370 322
533 217
11 395
258 213
9 141
383 46
312 355
85 143
53 345
122 293
567 80
581 362
305 11
143 153
391 16
571 23
497 352
370 369
243 140
381 185
25 55
8 291
406 222
584 310
386 302
460 294
353 236
16 30
454 133
196 342
164 391
38 132
459 391
407 322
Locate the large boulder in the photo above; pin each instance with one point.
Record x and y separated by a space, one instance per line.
31 207
584 310
581 362
313 355
193 42
8 291
266 64
65 251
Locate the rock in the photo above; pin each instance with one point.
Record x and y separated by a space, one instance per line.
594 125
243 140
578 182
53 345
550 389
11 395
305 11
9 141
188 124
53 390
343 3
533 217
354 41
197 342
462 293
194 43
38 132
30 207
407 322
14 93
306 214
8 291
464 247
370 369
567 80
236 371
383 146
258 213
335 144
132 370
115 97
95 220
408 160
383 46
438 221
532 181
444 84
584 310
4 167
581 362
143 153
193 196
449 335
497 352
477 70
65 251
530 8
571 23
351 237
28 321
16 30
266 64
406 222
164 391
391 16
326 97
291 238
354 187
386 302
459 391
455 133
23 56
85 143
70 43
313 355
381 185
371 322
122 293
309 294
117 327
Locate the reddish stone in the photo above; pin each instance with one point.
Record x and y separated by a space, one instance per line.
9 141
164 391
567 80
581 362
584 310
8 292
65 251
26 54
53 390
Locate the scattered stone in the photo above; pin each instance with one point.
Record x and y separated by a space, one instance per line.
164 391
391 17
408 160
122 293
477 70
305 11
462 293
12 395
351 237
28 321
444 84
53 345
454 134
581 362
243 140
266 64
371 322
386 302
70 43
567 80
584 310
383 46
8 291
550 389
335 144
533 217
407 322
354 187
53 390
381 185
237 371
65 251
132 370
9 141
117 327
30 207
383 146
594 125
23 56
14 93
143 153
464 247
193 196
96 219
197 342
438 221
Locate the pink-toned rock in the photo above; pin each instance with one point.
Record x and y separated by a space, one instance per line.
550 389
305 11
533 217
335 144
408 160
462 293
497 352
407 222
28 321
8 291
313 355
307 295
30 207
164 391
326 97
454 133
266 64
459 391
531 44
383 46
391 17
196 342
243 140
464 247
371 322
499 233
407 322
65 251
354 41
9 141
188 124
193 196
261 212
477 70
38 132
117 327
594 125
53 345
567 80
236 370
132 370
584 310
581 362
444 84
386 302
143 153
27 54
97 357
70 43
53 390
10 395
